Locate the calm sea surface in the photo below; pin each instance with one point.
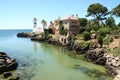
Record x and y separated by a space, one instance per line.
41 61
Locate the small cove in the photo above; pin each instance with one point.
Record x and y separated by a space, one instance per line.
42 61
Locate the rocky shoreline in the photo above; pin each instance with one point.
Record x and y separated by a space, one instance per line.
96 55
7 64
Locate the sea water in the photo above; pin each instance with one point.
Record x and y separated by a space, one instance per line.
42 61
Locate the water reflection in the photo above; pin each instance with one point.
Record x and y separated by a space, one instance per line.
35 46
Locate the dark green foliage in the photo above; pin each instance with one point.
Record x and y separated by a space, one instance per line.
86 36
60 23
93 25
91 44
73 37
107 40
110 22
42 35
65 31
97 11
62 31
83 22
82 29
116 11
49 30
103 31
100 40
85 44
61 28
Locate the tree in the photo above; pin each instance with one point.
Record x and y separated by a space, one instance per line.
93 25
86 36
110 22
97 11
44 23
83 22
116 11
102 32
62 30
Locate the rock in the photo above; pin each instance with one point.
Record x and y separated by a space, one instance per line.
14 78
25 35
7 74
6 63
117 77
12 66
113 65
96 55
101 61
37 39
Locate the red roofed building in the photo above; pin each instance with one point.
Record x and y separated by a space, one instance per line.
71 23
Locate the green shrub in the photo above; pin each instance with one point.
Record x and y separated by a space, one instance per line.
82 29
100 40
65 31
107 40
86 36
103 31
42 35
61 30
50 31
74 37
85 44
91 44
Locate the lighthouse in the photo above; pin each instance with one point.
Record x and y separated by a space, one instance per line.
35 22
36 29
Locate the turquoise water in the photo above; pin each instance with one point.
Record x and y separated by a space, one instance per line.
41 61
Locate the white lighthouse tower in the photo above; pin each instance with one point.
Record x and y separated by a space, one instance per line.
35 22
36 29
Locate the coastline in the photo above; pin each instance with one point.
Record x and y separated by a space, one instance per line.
95 55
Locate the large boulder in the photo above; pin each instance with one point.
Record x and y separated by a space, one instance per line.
7 74
96 55
6 63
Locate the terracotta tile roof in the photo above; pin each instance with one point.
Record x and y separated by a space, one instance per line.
69 17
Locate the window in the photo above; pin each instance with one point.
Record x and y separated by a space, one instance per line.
64 41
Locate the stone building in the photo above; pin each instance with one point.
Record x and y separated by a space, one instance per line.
71 23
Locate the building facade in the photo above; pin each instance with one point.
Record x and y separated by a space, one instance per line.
71 23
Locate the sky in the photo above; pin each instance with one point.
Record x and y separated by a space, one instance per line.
19 14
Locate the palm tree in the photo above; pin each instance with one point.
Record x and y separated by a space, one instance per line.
44 23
